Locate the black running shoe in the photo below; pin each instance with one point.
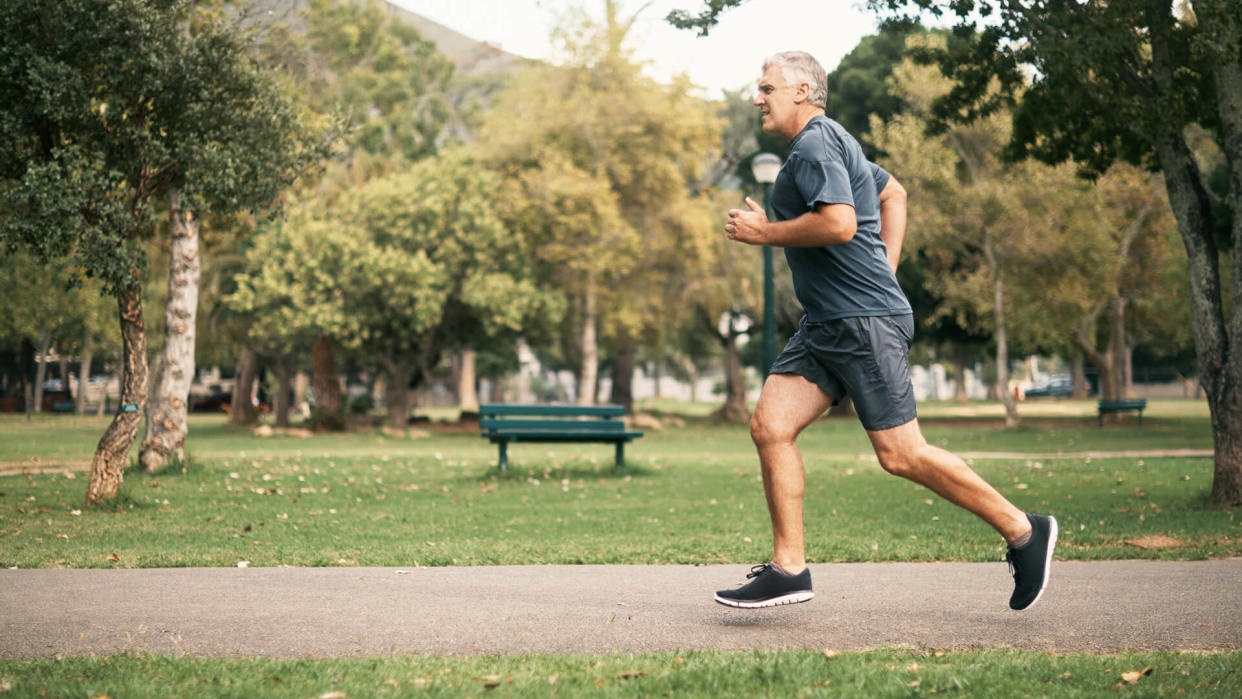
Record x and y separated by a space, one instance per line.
770 588
1031 563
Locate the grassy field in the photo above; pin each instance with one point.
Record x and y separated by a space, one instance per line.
884 673
689 494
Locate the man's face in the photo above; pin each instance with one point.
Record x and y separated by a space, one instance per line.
777 102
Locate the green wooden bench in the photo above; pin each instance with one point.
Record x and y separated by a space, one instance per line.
502 424
1123 405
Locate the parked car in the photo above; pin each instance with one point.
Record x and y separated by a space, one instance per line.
1055 387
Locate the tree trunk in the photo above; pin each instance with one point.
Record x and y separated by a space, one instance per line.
1081 388
174 371
243 410
45 341
734 409
1002 345
590 349
301 382
284 388
623 372
960 392
108 466
399 395
1220 361
62 363
84 374
692 370
1117 344
328 413
658 371
467 380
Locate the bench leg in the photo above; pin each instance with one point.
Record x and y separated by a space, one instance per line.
504 455
1140 412
620 454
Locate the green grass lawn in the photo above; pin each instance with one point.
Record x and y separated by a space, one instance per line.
689 494
991 674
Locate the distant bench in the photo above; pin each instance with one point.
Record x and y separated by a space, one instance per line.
1123 405
502 424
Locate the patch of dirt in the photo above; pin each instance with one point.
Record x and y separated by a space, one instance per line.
32 466
1155 541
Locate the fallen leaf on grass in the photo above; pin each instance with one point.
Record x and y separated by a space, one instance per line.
831 653
1133 676
114 558
630 675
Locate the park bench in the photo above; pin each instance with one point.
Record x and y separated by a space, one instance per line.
502 424
1122 405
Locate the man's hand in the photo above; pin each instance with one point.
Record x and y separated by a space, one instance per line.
747 226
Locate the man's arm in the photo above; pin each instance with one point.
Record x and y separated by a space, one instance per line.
828 224
893 219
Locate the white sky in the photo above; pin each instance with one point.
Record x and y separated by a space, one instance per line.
729 58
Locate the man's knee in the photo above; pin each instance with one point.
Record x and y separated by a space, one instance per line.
765 430
897 462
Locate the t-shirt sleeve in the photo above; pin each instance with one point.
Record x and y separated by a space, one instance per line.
881 177
823 182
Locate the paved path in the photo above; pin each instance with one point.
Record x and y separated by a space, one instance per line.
320 612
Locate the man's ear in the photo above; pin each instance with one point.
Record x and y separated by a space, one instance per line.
803 93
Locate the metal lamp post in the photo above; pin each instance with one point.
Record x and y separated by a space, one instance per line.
765 166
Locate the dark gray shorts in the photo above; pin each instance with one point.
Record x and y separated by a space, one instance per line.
865 358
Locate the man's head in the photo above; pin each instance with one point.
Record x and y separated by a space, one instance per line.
794 88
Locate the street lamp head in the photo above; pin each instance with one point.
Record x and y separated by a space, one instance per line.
765 166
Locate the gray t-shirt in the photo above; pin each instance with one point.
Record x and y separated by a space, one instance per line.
827 166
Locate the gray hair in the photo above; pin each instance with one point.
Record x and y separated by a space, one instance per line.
801 67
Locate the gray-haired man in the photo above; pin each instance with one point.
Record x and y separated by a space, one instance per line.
841 221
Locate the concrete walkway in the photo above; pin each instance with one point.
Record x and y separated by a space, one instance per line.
322 612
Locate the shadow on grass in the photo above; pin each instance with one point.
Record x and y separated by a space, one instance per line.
123 503
185 465
572 471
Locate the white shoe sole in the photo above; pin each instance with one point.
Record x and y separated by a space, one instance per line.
791 598
1052 544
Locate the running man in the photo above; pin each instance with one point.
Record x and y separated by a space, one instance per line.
841 221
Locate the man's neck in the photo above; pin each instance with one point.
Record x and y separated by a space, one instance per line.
804 118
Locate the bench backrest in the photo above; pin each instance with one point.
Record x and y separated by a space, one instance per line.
558 411
1124 404
552 418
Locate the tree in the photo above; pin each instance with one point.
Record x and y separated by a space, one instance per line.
399 278
48 307
91 142
624 156
387 82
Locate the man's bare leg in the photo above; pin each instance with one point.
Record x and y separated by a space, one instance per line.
786 406
904 452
